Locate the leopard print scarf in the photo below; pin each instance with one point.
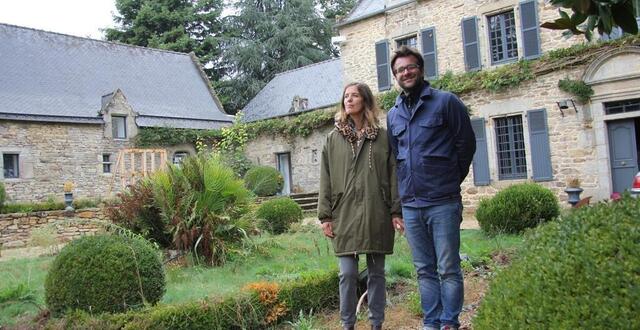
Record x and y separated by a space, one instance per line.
348 130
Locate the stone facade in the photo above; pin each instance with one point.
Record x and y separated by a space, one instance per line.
15 228
579 140
358 51
51 154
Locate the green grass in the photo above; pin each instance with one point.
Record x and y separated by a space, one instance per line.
275 258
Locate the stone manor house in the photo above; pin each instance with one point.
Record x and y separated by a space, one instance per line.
71 107
531 132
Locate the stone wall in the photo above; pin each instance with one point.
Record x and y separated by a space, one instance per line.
358 51
15 228
52 153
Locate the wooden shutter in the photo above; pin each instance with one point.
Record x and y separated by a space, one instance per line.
539 141
530 29
481 174
429 54
470 43
382 65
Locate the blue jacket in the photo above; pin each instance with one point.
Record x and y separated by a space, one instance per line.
433 143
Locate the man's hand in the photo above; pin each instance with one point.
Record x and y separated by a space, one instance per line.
398 224
327 228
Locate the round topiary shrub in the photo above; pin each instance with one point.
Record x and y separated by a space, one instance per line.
580 272
106 273
263 180
517 208
278 214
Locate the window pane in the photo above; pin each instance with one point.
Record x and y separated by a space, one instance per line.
622 106
511 153
409 42
502 37
119 127
106 163
178 157
10 164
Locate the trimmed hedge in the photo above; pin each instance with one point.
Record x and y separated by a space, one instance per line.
263 180
106 273
278 214
240 311
517 208
580 272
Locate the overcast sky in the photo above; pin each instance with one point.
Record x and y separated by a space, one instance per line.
82 18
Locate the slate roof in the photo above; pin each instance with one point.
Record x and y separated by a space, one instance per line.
49 76
321 83
368 8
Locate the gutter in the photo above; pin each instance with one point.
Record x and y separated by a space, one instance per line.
378 12
52 119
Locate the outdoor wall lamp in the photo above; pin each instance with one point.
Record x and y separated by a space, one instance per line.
564 104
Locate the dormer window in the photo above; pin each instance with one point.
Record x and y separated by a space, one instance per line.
119 127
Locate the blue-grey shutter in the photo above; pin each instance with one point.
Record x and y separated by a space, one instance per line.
429 54
539 141
382 65
470 43
530 29
481 175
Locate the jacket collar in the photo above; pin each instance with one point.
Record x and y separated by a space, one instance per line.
403 110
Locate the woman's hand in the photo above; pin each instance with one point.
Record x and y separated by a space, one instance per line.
327 228
398 224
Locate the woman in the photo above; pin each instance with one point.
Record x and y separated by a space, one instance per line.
358 200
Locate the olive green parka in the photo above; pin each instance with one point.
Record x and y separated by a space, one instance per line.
359 194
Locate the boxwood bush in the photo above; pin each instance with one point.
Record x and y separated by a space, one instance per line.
106 273
263 180
517 208
580 272
278 214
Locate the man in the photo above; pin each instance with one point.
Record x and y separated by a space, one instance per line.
431 137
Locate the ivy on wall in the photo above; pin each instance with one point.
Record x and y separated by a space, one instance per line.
169 136
578 88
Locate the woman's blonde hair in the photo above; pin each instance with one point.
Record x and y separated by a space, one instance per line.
371 109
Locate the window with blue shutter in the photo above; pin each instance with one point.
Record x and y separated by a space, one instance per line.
470 43
530 29
382 65
481 173
429 54
539 141
511 151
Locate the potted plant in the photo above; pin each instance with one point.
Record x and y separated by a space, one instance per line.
573 191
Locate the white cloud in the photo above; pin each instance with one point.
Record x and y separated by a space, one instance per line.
82 18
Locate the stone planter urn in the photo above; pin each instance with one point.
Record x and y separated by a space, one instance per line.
573 191
574 195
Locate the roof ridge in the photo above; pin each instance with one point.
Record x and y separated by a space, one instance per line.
96 40
307 66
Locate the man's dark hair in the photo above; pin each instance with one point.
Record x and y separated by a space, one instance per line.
405 51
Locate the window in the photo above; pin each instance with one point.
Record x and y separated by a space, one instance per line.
503 37
119 124
512 162
11 167
409 42
611 108
106 163
179 156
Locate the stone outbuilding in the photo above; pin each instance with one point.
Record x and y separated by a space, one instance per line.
316 87
531 131
71 107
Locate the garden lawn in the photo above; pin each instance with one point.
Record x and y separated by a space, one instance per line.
275 258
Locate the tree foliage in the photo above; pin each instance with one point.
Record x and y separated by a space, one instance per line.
268 37
589 15
178 25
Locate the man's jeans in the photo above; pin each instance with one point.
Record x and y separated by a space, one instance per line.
433 233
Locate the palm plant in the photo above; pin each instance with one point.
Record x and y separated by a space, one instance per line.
203 202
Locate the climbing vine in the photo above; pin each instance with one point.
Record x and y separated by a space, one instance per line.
578 88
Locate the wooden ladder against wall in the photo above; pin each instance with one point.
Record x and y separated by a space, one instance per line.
134 164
